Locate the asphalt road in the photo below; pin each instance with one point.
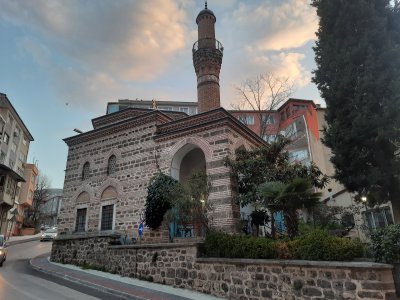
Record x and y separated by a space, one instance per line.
19 281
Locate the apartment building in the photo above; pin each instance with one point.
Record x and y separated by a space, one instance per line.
189 108
14 146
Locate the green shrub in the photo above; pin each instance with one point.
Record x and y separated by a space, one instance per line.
319 245
218 244
385 246
316 245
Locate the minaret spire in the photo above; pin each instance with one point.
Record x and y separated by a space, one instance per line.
207 60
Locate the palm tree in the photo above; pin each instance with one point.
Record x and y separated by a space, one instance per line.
289 198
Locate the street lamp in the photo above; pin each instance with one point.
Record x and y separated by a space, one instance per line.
364 199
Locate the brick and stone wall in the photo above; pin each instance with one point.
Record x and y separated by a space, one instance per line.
178 265
141 150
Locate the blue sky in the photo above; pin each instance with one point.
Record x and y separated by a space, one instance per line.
62 61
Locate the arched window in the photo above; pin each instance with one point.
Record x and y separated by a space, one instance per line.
112 162
108 198
85 171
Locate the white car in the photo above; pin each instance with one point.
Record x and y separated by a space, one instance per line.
48 235
3 250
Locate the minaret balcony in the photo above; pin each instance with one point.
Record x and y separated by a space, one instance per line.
207 43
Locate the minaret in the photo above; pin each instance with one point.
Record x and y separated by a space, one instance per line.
207 60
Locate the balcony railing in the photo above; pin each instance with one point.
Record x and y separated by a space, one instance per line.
207 43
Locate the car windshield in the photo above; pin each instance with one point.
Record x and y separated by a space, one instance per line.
51 231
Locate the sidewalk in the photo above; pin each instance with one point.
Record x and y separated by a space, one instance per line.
13 240
126 287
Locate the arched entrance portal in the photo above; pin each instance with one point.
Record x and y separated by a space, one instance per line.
187 160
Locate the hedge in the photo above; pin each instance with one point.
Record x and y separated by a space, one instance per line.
316 245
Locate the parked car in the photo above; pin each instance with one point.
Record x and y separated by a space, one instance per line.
48 235
3 250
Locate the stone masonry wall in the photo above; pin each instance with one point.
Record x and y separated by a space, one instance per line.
178 265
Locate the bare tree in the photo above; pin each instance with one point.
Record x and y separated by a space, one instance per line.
263 94
39 198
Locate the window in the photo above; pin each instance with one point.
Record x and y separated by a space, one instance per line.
165 108
2 183
6 138
24 141
297 107
248 120
378 218
13 147
22 157
80 225
33 179
269 119
107 212
85 171
184 109
112 108
269 138
17 132
283 116
2 157
112 162
298 155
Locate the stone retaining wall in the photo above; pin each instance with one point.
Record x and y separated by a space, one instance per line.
178 264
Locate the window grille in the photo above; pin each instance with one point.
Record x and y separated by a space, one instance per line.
85 171
80 220
107 212
112 162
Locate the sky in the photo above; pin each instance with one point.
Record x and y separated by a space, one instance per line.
62 61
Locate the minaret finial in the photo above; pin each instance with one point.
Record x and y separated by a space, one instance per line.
206 4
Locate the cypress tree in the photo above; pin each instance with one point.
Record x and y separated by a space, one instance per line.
358 75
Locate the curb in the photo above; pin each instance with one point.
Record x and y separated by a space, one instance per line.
23 241
83 282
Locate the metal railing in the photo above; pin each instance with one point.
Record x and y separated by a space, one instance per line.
209 43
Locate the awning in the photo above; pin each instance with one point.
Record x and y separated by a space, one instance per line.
4 170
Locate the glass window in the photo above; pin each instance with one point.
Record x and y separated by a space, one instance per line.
298 155
112 162
378 218
247 120
6 138
297 107
85 171
2 157
269 119
184 109
13 147
165 108
270 138
80 225
112 108
17 132
107 212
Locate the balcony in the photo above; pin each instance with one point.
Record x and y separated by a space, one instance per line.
207 43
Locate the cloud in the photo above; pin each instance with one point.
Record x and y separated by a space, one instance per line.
133 40
286 65
277 25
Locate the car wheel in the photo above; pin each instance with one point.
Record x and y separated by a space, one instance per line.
1 263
